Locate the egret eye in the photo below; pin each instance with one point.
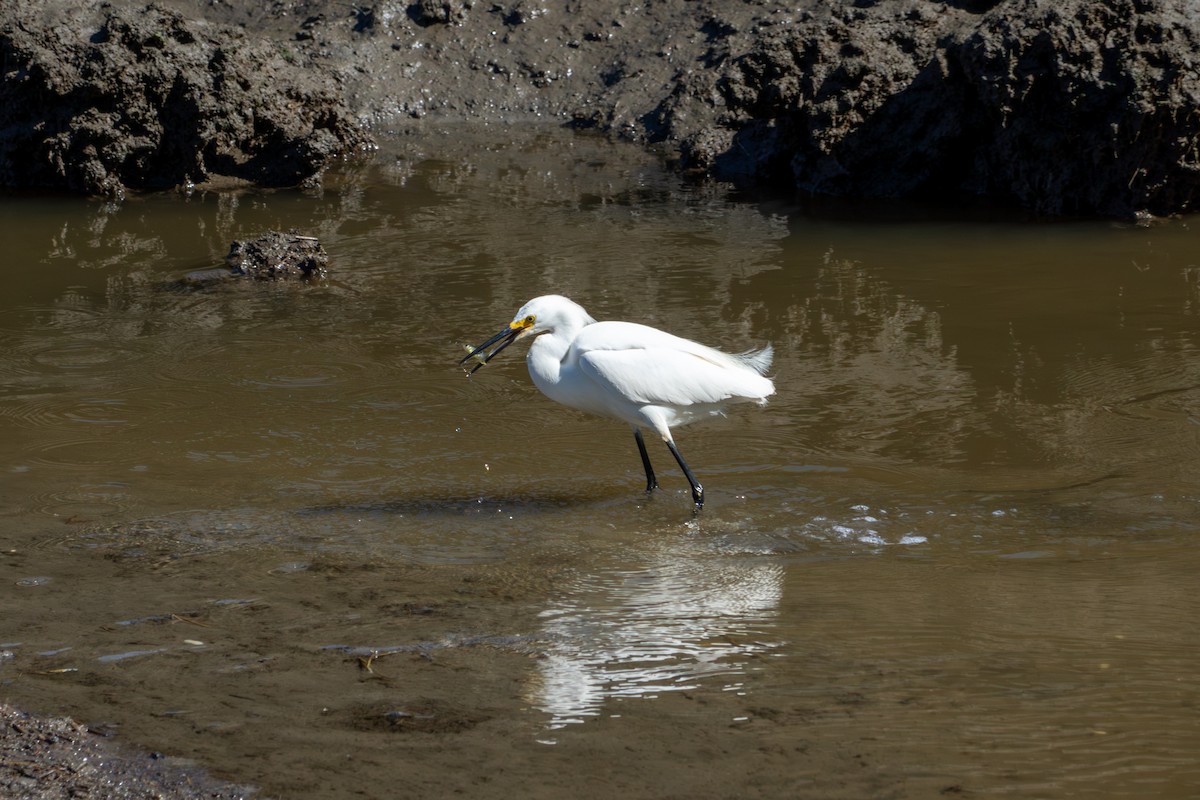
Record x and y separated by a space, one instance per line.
529 320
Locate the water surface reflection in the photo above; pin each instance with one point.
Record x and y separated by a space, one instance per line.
634 632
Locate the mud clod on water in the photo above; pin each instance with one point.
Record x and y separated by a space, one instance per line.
272 256
277 255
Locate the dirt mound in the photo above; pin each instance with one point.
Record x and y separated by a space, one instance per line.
1062 108
123 98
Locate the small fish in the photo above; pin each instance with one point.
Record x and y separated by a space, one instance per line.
477 357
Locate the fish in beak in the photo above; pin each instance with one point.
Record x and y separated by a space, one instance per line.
515 330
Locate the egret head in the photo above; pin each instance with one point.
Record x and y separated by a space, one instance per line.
540 315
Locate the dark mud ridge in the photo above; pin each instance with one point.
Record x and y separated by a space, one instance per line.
1061 107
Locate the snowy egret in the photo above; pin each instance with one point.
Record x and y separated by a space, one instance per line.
644 376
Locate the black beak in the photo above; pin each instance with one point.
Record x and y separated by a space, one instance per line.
505 337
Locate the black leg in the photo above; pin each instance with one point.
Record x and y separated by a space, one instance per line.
651 481
697 489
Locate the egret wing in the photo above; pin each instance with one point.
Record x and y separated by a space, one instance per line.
668 376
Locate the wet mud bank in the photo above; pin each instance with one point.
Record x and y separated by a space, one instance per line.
43 757
1063 108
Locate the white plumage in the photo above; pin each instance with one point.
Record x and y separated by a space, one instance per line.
631 372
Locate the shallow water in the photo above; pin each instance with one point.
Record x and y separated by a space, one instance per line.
276 529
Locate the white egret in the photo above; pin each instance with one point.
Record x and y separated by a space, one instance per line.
644 376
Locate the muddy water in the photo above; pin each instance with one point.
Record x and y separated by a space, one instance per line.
274 529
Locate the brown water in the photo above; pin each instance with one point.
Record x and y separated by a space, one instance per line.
954 555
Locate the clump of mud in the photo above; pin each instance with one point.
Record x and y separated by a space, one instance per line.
271 256
275 255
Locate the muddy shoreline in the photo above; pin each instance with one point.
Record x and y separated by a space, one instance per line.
1060 109
50 757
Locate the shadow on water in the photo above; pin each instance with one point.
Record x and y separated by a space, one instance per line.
455 506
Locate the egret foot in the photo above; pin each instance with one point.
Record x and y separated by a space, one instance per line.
697 489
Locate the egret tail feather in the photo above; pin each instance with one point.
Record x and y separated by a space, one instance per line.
758 360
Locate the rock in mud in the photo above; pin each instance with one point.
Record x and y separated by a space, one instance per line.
110 98
439 12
